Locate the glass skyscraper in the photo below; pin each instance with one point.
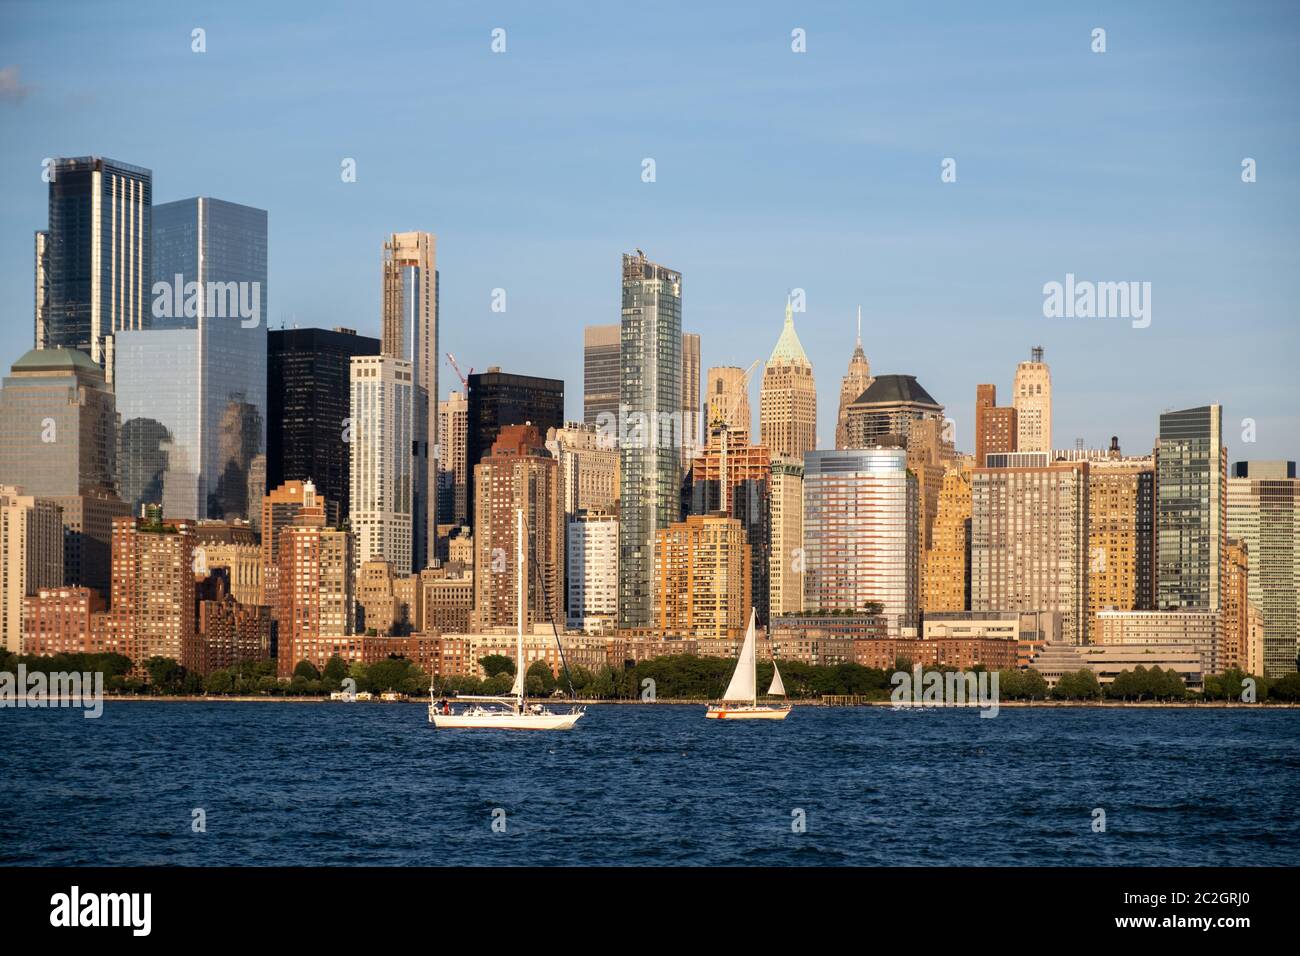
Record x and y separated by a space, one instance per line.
95 256
651 427
191 388
1191 498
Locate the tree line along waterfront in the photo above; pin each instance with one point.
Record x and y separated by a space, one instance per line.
679 677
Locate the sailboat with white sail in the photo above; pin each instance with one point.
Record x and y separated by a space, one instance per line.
740 701
506 711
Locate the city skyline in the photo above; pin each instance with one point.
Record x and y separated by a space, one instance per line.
829 209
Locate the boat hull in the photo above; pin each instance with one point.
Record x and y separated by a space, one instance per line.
506 721
747 713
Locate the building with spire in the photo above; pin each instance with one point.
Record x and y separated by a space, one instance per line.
787 414
856 381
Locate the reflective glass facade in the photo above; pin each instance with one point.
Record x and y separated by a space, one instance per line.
191 390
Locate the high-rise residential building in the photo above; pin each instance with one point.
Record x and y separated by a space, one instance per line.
1234 629
1191 498
228 633
58 440
592 572
410 332
787 412
861 511
690 397
995 426
600 375
309 397
98 249
31 557
856 381
946 582
453 464
786 562
588 461
279 508
317 591
381 471
152 602
702 578
1029 538
1264 513
518 474
42 287
1032 399
733 478
727 401
497 399
1121 536
191 385
885 411
650 402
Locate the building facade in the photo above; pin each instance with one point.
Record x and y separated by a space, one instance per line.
702 578
1264 513
383 470
1032 399
787 405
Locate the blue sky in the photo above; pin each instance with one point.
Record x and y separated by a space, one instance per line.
775 170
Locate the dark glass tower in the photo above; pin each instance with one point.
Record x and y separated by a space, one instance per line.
97 253
497 399
307 403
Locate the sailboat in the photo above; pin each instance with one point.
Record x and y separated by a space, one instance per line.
506 711
740 701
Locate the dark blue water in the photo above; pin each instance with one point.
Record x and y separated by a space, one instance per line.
312 784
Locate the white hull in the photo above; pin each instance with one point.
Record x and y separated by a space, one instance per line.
747 712
506 721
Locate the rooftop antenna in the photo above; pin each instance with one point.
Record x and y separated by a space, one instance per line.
1037 353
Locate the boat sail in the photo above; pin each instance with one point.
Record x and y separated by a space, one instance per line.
740 700
508 711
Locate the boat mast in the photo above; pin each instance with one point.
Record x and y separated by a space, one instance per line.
521 556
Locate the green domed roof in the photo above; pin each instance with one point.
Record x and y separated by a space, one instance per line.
52 360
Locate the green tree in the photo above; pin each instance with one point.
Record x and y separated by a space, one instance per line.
538 679
220 682
494 664
306 670
165 674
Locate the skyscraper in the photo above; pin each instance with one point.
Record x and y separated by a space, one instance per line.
786 561
946 582
1264 512
453 465
885 411
1029 538
727 401
279 507
381 468
308 404
191 386
859 531
152 605
58 440
31 557
518 474
98 254
497 399
995 427
410 332
591 574
1032 399
42 287
690 397
787 412
315 602
1121 536
1191 497
650 403
856 381
600 374
702 578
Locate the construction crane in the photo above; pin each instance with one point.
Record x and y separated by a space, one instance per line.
745 380
464 380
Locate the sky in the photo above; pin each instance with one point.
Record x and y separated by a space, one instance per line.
774 170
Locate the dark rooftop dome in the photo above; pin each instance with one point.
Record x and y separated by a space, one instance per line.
889 389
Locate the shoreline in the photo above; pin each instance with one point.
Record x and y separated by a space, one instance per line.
1025 704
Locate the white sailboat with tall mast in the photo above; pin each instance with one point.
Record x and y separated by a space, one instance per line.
506 711
740 701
